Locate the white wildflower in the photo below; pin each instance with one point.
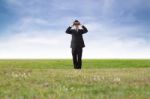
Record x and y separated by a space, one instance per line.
116 79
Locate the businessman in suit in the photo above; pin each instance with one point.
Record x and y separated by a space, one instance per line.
77 42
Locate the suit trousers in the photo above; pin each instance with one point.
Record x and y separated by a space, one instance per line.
77 57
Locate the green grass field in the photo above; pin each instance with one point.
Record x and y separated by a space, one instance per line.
56 79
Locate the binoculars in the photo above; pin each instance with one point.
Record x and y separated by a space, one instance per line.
76 23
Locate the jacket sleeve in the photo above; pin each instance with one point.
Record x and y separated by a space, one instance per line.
68 31
84 29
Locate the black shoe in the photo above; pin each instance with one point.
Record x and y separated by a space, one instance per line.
78 67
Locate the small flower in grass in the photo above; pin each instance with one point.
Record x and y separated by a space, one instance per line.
21 75
95 78
15 75
116 79
71 88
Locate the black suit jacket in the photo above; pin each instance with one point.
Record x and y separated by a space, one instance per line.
77 38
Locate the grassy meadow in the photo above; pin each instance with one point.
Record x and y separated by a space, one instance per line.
56 79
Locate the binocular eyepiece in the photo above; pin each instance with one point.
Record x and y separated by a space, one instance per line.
76 22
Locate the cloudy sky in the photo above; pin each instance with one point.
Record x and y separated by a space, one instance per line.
36 28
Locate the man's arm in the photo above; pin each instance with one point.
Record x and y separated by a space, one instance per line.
84 29
68 31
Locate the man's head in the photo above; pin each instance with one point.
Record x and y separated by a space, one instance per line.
76 23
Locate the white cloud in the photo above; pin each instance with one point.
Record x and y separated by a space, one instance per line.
40 33
113 42
56 44
38 44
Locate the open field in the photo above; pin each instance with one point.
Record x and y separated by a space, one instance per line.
67 63
55 79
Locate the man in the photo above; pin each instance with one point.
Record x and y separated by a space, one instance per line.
77 42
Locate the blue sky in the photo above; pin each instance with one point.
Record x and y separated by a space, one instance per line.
36 28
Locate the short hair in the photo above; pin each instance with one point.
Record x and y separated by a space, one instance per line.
76 21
